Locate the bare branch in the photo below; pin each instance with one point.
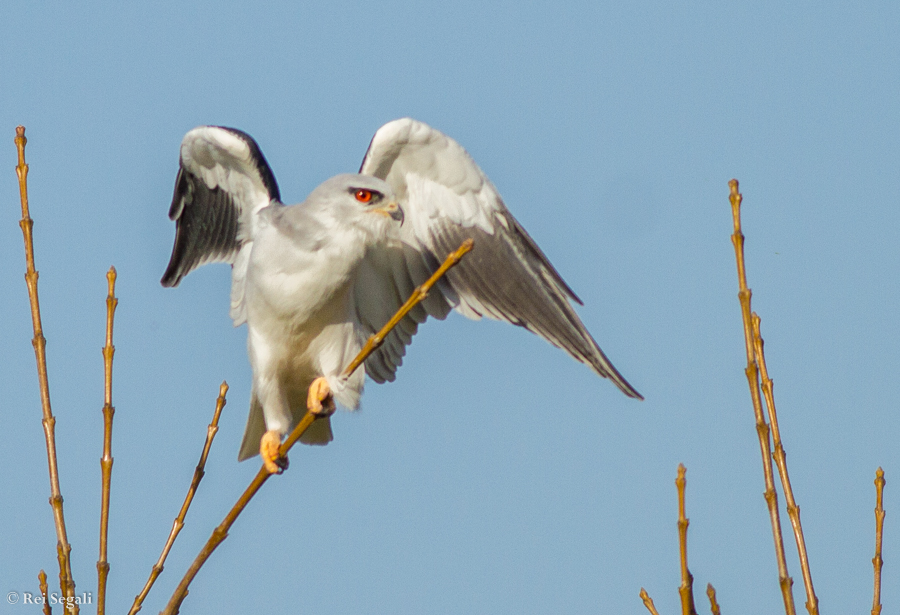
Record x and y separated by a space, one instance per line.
713 604
686 591
648 602
762 429
42 581
106 462
877 562
63 548
221 532
417 296
199 471
793 510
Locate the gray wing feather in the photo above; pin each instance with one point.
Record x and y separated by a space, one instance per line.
223 181
446 199
383 284
206 227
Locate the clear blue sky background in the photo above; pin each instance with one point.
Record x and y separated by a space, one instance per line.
496 475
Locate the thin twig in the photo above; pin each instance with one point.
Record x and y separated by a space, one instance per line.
221 532
106 462
63 548
793 510
199 471
713 604
762 429
686 591
417 295
648 602
877 562
42 581
61 558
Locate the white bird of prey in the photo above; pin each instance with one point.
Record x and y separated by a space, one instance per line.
313 281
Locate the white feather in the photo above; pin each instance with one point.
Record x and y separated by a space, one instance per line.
314 280
446 198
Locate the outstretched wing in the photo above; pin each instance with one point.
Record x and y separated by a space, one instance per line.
447 198
223 181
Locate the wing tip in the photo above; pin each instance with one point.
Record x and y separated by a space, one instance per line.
172 277
602 366
621 383
632 393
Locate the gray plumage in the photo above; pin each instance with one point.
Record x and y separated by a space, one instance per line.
313 281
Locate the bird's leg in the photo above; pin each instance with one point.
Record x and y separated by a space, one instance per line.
319 400
268 450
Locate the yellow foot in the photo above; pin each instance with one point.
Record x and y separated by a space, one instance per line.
319 400
268 450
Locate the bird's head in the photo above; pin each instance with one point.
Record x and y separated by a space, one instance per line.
366 202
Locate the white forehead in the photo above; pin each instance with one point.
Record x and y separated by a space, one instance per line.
350 182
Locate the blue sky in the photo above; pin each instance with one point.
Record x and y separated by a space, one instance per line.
496 475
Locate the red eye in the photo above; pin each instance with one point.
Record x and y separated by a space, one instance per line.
363 196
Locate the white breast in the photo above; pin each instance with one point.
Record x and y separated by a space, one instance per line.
291 282
299 312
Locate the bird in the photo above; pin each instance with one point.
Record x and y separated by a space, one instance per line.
314 280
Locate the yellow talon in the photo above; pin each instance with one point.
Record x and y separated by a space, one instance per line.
319 400
268 450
